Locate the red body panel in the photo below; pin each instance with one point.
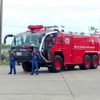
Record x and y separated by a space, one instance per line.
74 47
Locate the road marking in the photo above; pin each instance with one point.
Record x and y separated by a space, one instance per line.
68 87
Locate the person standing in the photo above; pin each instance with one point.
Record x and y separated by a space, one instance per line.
12 58
35 57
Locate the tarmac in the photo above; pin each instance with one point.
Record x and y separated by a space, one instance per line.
73 84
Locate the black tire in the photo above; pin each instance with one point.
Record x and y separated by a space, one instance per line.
56 68
86 63
94 62
27 66
64 68
71 67
50 69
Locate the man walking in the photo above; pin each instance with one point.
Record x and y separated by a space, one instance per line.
35 57
12 58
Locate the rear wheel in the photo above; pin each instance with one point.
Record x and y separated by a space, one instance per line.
94 62
27 66
57 64
86 63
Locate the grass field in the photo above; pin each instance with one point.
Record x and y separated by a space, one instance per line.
1 63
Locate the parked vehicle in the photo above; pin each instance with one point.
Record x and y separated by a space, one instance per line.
57 49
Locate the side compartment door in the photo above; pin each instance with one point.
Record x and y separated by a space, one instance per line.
67 49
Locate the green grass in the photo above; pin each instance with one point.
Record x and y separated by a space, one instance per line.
1 63
4 63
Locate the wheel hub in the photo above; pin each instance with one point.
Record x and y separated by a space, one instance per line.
57 64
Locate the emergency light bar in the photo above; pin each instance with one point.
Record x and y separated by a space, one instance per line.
39 27
33 27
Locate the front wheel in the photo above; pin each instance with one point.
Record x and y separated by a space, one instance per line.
57 64
27 66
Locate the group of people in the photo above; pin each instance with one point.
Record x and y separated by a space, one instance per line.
34 56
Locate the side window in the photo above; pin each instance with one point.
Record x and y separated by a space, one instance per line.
51 39
54 38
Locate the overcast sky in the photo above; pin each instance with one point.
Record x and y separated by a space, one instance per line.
75 15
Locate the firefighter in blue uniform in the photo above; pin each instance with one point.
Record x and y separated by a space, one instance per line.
12 58
35 57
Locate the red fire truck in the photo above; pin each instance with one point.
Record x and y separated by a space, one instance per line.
58 50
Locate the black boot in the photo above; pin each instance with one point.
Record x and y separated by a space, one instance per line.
31 74
9 73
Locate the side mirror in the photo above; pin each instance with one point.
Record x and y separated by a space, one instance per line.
4 40
9 35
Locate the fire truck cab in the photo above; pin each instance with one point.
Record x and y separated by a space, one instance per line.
57 49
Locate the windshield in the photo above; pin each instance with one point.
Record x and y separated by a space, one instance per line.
26 39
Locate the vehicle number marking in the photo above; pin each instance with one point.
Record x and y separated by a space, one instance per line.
67 41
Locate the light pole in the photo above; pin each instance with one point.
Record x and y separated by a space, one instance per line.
1 6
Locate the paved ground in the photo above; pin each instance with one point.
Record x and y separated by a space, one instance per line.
68 85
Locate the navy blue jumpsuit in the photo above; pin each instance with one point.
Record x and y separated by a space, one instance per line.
35 58
12 58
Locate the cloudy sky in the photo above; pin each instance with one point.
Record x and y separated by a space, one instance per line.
75 15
